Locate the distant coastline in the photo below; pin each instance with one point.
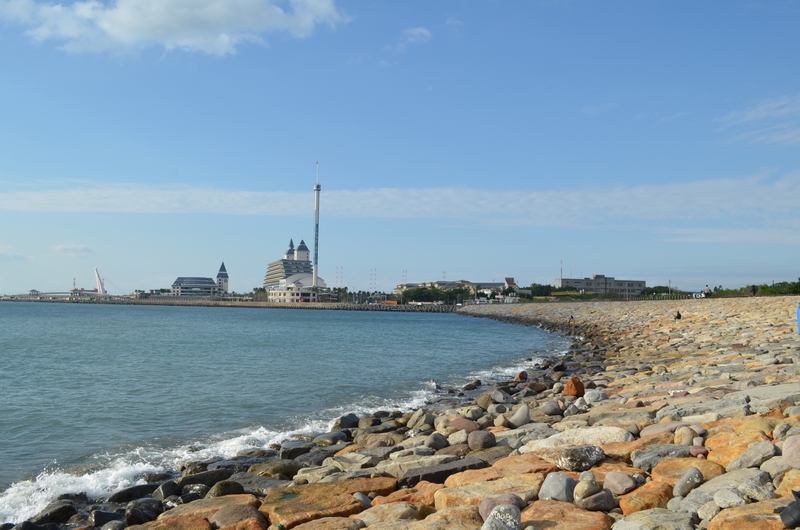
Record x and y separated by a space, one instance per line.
248 304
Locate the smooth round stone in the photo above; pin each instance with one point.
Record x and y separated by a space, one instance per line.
684 436
557 487
674 504
520 417
603 501
463 424
585 488
586 475
594 396
472 413
497 408
490 503
689 481
551 408
365 501
331 438
225 487
698 440
698 451
501 421
478 440
791 411
558 388
619 483
436 441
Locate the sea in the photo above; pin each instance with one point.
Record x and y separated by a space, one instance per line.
94 395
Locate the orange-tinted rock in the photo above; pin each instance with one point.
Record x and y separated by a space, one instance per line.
756 516
651 495
623 450
300 504
790 482
764 425
521 376
422 494
525 486
726 447
472 476
178 522
332 523
672 469
205 508
349 449
526 463
555 515
248 524
458 518
574 387
391 512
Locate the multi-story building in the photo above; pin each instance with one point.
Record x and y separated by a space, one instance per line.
602 284
290 279
203 287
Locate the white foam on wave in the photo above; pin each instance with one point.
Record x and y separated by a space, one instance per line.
27 498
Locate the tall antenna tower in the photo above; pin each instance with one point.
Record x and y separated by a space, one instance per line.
405 276
317 188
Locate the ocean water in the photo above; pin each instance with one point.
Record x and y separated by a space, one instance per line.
94 395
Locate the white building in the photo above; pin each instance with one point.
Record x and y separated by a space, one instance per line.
290 279
601 284
203 287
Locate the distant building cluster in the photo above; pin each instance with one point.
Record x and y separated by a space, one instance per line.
601 284
203 287
474 288
291 278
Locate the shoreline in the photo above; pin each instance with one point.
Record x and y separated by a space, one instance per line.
641 401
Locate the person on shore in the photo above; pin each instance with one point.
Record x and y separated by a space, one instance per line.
677 315
753 290
706 292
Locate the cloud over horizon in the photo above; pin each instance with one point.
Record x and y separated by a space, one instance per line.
771 121
698 208
215 27
71 251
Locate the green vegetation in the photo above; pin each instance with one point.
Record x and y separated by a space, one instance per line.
423 294
776 289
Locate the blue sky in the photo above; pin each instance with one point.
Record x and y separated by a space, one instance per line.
473 139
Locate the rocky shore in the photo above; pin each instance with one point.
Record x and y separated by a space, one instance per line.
647 423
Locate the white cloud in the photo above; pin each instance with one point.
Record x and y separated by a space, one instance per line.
454 23
411 36
771 121
216 27
71 251
761 203
8 254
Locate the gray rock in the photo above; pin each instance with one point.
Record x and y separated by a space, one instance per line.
293 449
256 485
197 489
657 519
230 515
619 483
420 418
520 417
114 525
98 518
550 408
775 466
756 454
348 421
490 503
503 517
331 438
225 487
708 511
578 458
594 396
458 437
365 501
56 512
497 408
136 492
791 451
439 473
647 459
167 489
557 487
209 478
674 504
572 410
478 440
689 481
498 396
603 501
780 430
728 499
436 441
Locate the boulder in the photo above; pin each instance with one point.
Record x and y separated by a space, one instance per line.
478 440
648 458
56 512
602 501
555 515
619 483
490 503
503 517
757 516
287 468
651 495
657 519
207 478
439 473
557 487
231 515
137 492
295 448
524 486
579 458
573 387
391 512
225 487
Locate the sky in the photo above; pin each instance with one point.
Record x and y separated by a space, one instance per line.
477 140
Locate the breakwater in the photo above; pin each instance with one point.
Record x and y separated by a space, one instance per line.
647 422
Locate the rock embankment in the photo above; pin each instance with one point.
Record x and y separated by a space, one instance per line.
646 423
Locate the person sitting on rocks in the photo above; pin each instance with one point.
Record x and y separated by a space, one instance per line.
677 315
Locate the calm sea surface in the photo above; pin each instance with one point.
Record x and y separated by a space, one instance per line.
94 395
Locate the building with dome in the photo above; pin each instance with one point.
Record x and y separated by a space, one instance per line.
290 279
202 287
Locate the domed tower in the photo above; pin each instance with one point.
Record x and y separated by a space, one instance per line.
222 279
289 253
302 252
